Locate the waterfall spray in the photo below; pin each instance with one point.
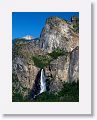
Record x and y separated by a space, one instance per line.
42 82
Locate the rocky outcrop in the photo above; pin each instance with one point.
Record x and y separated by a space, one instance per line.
57 33
60 67
74 65
64 69
22 64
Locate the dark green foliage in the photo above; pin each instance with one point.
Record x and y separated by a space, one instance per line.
75 23
46 97
56 53
69 93
17 97
41 61
76 27
16 90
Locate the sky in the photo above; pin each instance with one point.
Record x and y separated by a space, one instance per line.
31 23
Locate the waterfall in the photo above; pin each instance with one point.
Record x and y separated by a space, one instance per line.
42 82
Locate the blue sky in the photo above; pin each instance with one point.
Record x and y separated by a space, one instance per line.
31 23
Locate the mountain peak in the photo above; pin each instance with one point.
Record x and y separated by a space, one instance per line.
28 37
57 33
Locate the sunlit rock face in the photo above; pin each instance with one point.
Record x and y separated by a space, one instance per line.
57 33
64 69
60 67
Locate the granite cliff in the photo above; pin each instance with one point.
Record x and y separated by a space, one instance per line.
56 51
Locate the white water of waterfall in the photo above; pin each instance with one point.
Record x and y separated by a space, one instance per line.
42 82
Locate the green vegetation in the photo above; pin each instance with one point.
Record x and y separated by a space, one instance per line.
56 53
75 23
42 61
17 97
16 90
76 27
69 93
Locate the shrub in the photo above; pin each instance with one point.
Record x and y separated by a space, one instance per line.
16 90
56 53
41 61
69 93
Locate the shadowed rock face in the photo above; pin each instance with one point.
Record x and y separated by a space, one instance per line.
74 65
57 33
